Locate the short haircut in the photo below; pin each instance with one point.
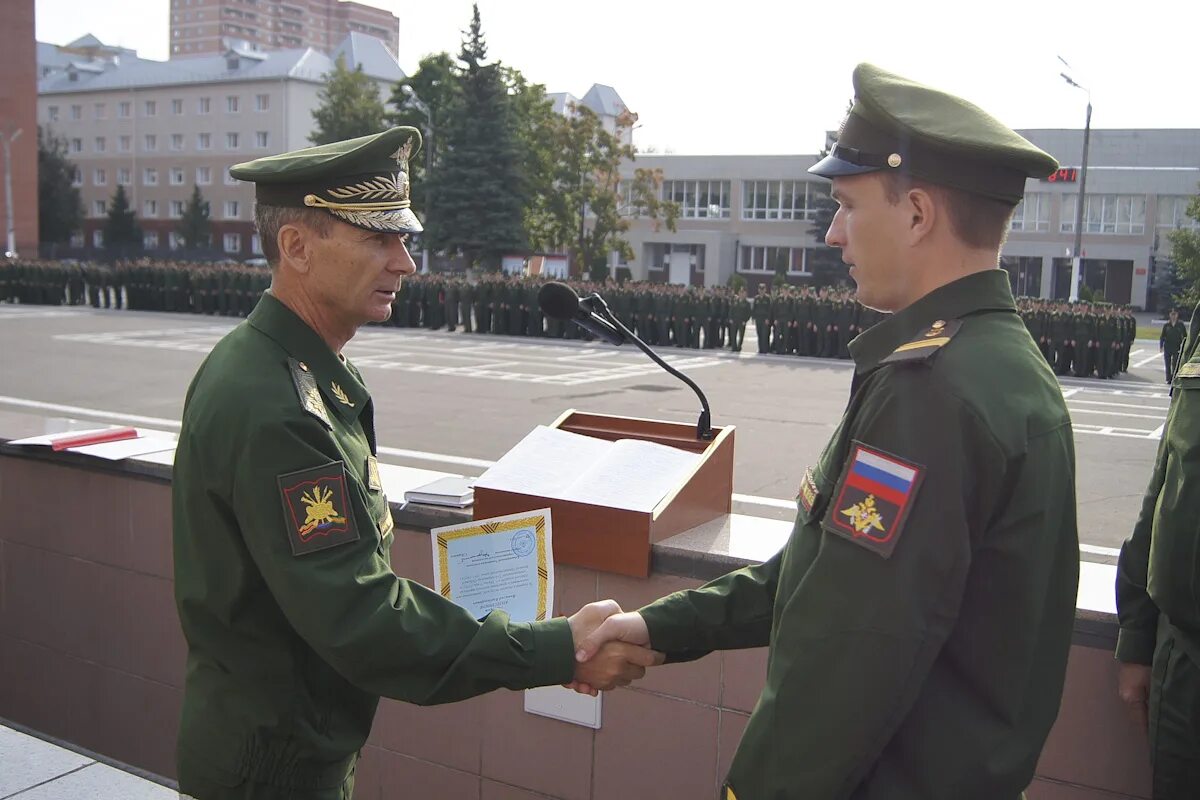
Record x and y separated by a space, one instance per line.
269 219
980 222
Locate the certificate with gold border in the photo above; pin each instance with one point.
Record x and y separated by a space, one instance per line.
504 563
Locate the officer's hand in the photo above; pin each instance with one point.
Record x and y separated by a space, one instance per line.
614 664
1133 687
628 628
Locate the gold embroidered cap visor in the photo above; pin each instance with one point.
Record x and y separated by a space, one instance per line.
361 181
900 125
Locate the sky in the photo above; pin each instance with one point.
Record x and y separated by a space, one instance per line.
771 76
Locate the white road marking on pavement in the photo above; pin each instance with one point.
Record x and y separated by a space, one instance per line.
1146 361
1104 430
1115 413
1098 550
764 501
1070 392
157 422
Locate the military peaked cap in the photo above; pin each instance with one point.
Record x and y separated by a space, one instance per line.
361 181
899 125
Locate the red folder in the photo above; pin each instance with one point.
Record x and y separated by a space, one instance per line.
97 437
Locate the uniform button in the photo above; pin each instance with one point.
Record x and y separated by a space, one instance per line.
304 366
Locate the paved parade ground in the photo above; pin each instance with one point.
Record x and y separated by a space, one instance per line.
456 402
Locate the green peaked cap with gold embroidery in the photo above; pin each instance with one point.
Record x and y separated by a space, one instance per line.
361 181
899 125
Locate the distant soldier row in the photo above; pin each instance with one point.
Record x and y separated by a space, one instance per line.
1081 339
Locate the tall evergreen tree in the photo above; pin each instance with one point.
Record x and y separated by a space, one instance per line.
825 262
349 105
434 87
60 211
121 231
479 198
1185 252
194 226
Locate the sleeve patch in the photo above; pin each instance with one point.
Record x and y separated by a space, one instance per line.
873 498
316 508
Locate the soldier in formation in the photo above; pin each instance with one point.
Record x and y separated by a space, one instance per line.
1081 339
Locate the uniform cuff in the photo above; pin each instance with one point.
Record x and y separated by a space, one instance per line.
553 651
1135 646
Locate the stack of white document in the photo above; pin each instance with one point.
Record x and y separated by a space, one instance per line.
452 490
628 473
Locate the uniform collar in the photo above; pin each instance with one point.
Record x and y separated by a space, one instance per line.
980 291
342 389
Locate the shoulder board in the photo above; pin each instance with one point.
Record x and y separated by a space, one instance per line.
926 343
310 395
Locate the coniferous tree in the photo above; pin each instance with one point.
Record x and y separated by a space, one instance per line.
1185 252
121 231
349 105
479 198
194 226
60 210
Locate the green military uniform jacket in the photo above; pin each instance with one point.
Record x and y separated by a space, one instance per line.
918 635
294 619
1156 572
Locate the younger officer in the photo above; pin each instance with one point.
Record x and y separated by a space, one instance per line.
1158 594
1170 343
294 620
920 616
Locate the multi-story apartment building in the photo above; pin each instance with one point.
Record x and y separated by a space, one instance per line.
751 215
158 128
204 27
605 102
18 128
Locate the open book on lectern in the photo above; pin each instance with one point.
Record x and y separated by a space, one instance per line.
627 473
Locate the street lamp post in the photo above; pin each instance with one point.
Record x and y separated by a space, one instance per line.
421 106
11 250
1077 257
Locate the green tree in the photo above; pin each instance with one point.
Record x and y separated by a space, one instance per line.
479 195
589 206
194 227
825 262
121 231
1185 252
349 105
435 88
60 211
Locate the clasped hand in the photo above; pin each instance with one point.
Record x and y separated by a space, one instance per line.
612 648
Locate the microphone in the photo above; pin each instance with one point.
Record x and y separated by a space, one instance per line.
559 301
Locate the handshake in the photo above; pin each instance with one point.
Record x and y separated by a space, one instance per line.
612 648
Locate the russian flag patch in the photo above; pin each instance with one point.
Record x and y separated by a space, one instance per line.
874 496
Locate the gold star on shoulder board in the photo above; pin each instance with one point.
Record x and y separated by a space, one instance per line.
341 395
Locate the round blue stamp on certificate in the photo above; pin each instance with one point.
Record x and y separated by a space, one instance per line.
523 543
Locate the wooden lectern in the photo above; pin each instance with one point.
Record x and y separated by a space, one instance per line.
615 539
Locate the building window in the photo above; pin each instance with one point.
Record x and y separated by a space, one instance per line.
1172 212
256 244
231 104
699 199
262 102
76 176
174 240
76 112
100 111
123 176
781 200
203 141
203 106
100 144
204 175
150 108
774 260
150 176
1032 213
150 209
231 141
150 143
98 239
231 209
260 139
99 178
77 145
77 240
177 107
125 144
233 243
230 180
52 113
176 209
177 176
125 109
1119 214
99 208
150 240
176 141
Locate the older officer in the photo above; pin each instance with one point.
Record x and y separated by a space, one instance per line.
1158 601
920 616
294 620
